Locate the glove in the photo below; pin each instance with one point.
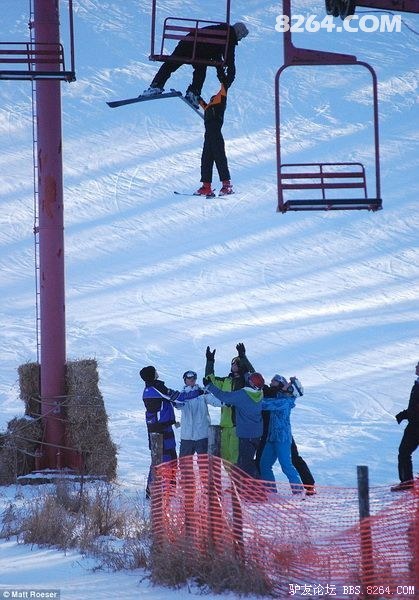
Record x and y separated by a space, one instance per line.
210 355
241 350
201 392
400 416
206 380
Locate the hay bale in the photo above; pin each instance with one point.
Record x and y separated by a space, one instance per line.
86 419
29 383
18 447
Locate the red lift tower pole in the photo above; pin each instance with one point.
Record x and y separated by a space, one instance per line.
51 235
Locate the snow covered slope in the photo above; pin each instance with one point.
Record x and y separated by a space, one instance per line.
153 278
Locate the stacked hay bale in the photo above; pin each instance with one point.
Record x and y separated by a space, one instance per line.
87 421
24 434
29 384
86 424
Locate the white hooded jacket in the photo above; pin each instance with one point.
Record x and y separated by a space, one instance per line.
195 416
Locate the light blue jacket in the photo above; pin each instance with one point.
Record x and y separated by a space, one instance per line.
279 417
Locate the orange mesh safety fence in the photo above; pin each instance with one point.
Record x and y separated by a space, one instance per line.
203 507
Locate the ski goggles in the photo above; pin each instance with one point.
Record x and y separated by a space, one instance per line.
190 375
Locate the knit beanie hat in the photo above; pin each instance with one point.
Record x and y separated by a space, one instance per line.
241 30
148 374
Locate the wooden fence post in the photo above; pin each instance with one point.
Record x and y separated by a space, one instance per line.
214 440
214 483
156 446
367 560
156 489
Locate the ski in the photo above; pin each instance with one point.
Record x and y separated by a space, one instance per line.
171 94
182 97
202 196
191 194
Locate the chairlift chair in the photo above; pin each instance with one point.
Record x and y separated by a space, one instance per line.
187 29
38 61
346 8
321 185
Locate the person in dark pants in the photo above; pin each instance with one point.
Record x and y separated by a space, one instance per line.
160 417
248 404
410 439
214 147
303 470
204 51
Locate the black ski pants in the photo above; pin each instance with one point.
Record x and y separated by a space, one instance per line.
169 67
301 465
409 443
214 147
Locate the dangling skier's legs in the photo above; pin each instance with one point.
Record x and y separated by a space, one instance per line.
207 159
198 78
170 66
214 150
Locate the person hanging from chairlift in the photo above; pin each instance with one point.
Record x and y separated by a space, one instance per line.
203 51
213 150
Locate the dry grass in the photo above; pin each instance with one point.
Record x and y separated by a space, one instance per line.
218 572
95 519
99 521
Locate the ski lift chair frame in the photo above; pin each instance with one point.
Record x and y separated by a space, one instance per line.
36 61
345 8
323 177
177 28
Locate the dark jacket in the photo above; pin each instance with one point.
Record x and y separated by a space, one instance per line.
158 401
214 52
412 411
215 108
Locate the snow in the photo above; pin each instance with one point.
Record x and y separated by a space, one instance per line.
152 278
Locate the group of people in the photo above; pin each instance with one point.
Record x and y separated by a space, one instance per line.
255 419
207 51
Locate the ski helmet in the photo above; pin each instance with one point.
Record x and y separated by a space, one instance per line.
256 381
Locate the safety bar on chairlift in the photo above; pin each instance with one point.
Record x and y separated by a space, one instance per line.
153 55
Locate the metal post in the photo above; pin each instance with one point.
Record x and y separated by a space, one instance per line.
367 564
215 487
214 440
156 448
153 28
51 235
